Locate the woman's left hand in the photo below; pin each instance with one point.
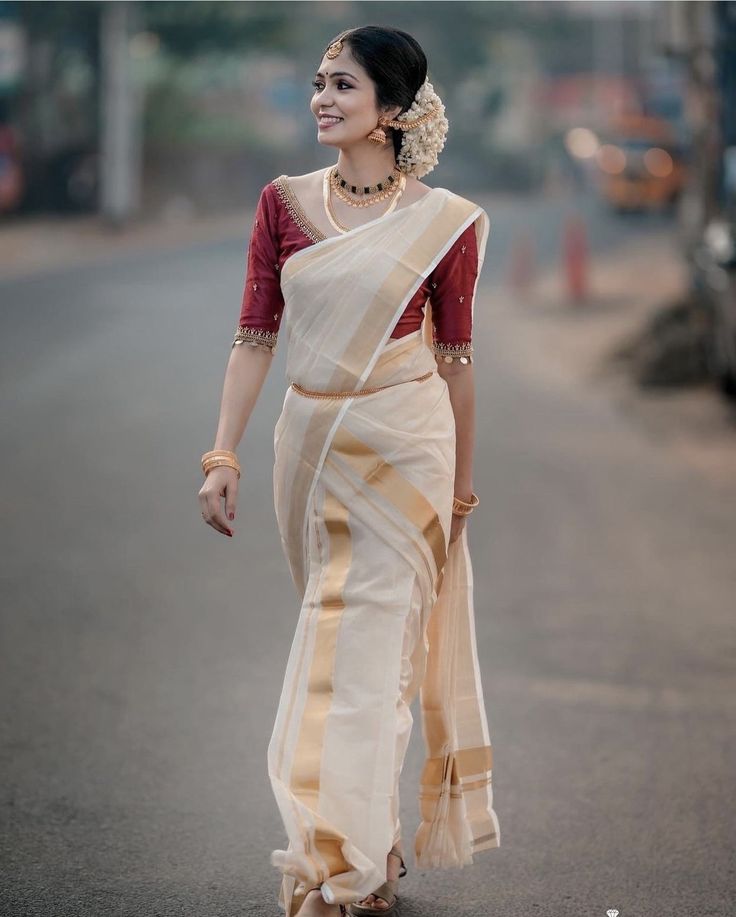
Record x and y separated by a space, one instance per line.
456 527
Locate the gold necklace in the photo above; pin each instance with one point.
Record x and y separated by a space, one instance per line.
367 200
336 224
339 183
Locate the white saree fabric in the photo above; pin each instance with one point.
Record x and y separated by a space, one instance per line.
363 491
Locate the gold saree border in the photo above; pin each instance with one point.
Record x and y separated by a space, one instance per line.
324 846
378 473
463 776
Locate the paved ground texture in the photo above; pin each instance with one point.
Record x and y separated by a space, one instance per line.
142 654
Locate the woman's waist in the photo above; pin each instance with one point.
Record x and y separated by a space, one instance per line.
359 392
418 413
400 360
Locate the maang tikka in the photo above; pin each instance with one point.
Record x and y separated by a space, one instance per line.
334 49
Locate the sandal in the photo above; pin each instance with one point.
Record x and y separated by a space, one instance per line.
387 891
343 912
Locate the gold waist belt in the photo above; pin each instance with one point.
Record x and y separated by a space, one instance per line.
360 391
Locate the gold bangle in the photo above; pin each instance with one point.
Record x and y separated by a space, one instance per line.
217 463
217 457
219 453
461 508
457 512
209 468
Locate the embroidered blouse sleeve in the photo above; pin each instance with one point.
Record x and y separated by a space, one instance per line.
263 303
452 285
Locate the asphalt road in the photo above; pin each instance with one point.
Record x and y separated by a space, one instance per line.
142 654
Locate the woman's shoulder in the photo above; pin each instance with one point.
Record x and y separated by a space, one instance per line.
285 190
468 204
300 182
460 198
273 184
277 193
283 180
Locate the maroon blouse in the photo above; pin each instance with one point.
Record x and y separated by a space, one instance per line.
281 227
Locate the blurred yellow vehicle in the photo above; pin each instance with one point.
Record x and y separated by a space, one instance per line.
640 165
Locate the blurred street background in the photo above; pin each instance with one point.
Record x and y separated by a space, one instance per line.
142 655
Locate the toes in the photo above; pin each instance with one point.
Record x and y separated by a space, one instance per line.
372 901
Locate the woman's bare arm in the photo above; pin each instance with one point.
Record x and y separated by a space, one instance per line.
245 374
461 385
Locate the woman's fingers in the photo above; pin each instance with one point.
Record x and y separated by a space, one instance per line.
216 487
215 516
212 514
231 498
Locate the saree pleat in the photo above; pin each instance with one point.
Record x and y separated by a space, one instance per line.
363 492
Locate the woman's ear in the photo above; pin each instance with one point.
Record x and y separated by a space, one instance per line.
390 113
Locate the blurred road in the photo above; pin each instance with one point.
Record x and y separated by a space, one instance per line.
142 654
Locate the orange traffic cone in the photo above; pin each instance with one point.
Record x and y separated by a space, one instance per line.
575 258
521 263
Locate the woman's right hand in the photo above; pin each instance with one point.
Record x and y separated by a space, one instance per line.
221 482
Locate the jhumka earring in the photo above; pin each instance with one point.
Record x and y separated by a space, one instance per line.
378 134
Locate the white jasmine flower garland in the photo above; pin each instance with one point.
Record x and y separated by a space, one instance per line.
421 145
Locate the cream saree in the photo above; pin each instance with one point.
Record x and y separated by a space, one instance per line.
363 489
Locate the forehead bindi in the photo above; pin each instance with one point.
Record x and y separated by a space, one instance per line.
335 69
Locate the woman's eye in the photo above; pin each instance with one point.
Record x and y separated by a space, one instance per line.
317 84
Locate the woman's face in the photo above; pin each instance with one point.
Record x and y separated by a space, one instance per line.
343 89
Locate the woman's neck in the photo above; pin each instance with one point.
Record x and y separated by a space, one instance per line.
365 167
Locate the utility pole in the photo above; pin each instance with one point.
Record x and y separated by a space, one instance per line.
121 142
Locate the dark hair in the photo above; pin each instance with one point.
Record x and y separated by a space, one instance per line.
394 61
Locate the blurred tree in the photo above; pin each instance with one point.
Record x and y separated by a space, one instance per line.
186 29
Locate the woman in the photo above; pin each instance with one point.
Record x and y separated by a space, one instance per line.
372 482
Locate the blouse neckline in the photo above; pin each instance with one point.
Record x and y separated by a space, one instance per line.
295 210
299 216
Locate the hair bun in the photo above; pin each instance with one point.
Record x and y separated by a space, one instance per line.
421 145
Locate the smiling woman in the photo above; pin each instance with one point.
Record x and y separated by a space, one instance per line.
372 483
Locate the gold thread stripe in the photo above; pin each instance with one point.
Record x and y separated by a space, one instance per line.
339 469
484 838
329 842
468 762
299 485
438 792
305 775
384 478
475 784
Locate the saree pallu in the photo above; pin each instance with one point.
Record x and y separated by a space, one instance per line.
363 490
